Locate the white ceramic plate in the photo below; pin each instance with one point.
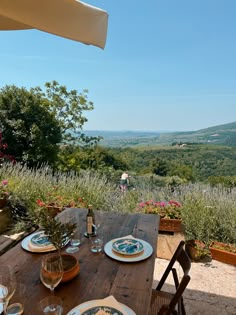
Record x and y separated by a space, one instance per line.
127 246
40 249
147 252
88 305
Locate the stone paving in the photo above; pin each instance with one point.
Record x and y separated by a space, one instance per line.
211 290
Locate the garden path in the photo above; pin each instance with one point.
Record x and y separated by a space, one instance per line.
212 288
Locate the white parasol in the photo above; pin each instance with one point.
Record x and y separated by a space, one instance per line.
66 18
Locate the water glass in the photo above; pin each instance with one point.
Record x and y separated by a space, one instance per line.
7 287
17 301
73 218
96 245
51 305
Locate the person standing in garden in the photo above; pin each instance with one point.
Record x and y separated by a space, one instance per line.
124 181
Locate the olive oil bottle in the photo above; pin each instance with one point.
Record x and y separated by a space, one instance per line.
90 222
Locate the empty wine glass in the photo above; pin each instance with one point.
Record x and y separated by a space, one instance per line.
73 218
7 287
51 305
51 270
98 221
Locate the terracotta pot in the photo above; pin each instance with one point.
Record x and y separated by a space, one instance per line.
222 254
53 210
71 267
3 202
170 225
196 250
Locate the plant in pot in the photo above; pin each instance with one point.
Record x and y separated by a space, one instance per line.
169 211
223 238
55 201
198 223
58 234
223 252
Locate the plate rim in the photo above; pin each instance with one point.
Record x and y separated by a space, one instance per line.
127 238
128 310
25 241
146 253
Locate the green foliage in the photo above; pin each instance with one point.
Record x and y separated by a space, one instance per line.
208 213
160 167
67 107
98 158
34 122
57 231
190 163
226 181
31 132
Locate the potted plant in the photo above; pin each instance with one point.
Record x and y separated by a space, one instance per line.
58 233
169 211
197 250
55 202
4 193
223 252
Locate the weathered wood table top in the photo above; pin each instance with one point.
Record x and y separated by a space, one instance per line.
100 275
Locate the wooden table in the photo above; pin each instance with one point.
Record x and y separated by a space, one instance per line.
100 275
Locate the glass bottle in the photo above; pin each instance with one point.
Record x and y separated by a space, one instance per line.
90 222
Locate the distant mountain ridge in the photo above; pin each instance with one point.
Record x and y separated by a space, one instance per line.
218 135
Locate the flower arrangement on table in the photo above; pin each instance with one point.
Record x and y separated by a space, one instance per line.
166 209
4 193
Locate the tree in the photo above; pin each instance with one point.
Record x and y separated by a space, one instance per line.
68 107
97 158
30 130
181 170
160 167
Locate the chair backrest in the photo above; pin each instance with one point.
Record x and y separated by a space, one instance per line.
182 257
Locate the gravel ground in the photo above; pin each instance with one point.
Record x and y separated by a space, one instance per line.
211 290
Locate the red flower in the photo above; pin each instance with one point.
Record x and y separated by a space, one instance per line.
40 203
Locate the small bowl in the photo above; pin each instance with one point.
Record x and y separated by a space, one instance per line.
71 267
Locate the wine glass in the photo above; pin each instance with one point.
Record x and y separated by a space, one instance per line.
7 287
73 218
98 221
51 271
51 305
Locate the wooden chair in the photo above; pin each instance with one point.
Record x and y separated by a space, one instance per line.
169 303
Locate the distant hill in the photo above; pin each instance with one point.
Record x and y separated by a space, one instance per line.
217 135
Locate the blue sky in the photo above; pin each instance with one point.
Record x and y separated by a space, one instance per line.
168 65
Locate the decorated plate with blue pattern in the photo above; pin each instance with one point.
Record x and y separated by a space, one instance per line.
40 239
127 246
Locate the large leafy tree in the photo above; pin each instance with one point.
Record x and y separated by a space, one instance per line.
35 122
30 130
68 108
